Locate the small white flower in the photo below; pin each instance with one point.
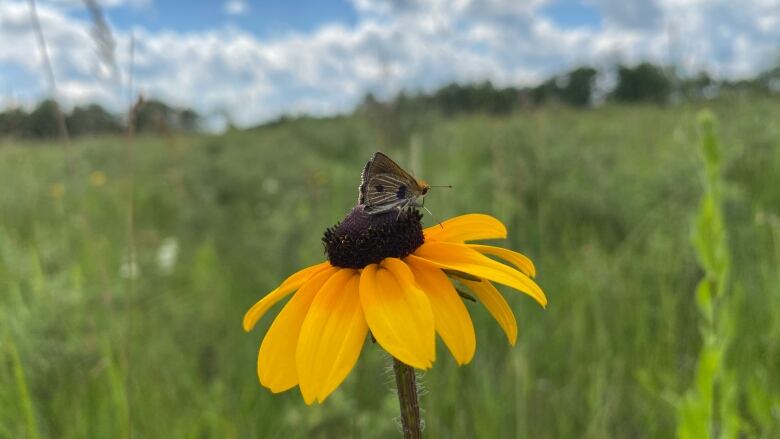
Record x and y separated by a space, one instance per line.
167 254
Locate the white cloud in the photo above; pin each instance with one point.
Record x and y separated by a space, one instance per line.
630 14
236 7
395 44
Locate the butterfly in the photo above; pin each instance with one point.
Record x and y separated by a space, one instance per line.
385 186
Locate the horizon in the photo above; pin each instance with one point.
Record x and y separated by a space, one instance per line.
251 63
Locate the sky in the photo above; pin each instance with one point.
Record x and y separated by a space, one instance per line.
251 61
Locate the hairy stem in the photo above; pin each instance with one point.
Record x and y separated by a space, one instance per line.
407 398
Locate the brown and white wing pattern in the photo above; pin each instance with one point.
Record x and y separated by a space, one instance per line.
364 183
384 185
387 191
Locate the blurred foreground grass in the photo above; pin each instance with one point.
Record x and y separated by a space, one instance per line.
603 201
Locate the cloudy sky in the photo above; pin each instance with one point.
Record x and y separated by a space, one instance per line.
254 60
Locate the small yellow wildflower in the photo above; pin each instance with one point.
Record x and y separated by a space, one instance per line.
97 178
57 190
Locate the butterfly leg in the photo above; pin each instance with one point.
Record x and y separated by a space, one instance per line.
401 207
400 211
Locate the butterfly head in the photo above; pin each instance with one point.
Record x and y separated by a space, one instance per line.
424 187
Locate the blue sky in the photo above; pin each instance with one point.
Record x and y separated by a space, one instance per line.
253 60
269 18
262 18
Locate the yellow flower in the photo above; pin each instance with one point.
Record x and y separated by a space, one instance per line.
97 178
57 190
403 300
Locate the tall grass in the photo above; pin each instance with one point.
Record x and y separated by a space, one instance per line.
601 200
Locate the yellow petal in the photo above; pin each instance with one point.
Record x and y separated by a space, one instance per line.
519 260
473 226
332 336
288 286
398 313
276 365
496 305
452 320
462 258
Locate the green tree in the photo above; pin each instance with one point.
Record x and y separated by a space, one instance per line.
579 87
698 86
42 122
92 119
157 116
643 83
13 123
545 91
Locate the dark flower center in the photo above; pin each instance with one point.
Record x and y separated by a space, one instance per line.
362 239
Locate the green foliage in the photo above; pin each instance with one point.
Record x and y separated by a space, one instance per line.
13 121
574 88
643 83
578 87
601 200
700 86
456 98
92 119
42 122
155 116
152 116
22 391
709 408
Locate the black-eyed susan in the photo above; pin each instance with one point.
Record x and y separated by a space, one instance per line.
386 275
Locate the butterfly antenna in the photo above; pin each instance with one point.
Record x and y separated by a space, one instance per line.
449 186
431 214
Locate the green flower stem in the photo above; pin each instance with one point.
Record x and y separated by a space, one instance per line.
407 397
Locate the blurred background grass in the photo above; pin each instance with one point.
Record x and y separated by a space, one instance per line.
602 200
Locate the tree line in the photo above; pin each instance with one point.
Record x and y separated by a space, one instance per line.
580 87
643 83
152 116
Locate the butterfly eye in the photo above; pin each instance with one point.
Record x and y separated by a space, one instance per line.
425 190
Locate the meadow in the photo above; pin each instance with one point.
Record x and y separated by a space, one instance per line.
125 271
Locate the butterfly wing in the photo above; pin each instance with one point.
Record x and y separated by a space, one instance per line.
364 183
387 191
382 164
379 164
384 185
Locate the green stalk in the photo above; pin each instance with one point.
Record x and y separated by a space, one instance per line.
407 398
709 407
21 386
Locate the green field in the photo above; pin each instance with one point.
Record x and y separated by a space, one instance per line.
602 200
